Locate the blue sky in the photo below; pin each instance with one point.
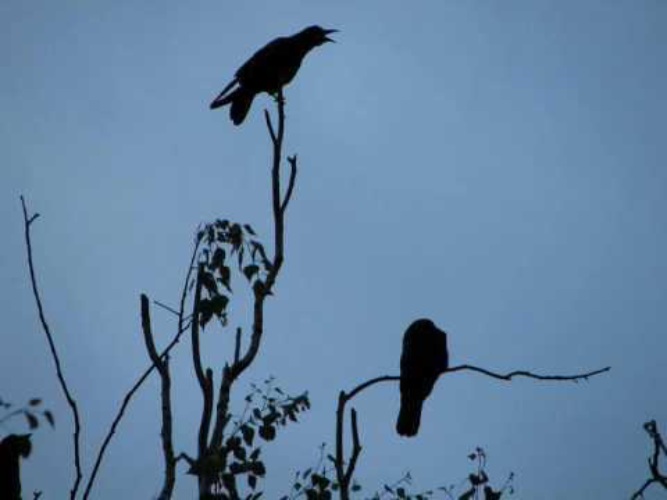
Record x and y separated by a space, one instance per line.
497 167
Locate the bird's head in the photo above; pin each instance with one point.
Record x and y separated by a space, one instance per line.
316 35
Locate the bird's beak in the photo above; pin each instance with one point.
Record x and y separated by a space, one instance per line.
327 32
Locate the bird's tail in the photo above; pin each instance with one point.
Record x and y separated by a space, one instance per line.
409 417
241 102
222 99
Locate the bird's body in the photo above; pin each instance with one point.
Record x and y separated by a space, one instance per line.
12 448
424 357
269 70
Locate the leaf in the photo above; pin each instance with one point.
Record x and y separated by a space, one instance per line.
248 434
356 487
400 492
250 270
240 256
218 259
208 282
259 468
267 432
49 418
468 494
35 402
255 454
218 304
225 275
252 481
239 453
33 423
249 229
205 312
235 235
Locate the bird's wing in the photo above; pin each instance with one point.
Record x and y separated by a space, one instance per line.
266 56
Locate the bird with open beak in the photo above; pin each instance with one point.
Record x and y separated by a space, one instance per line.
269 70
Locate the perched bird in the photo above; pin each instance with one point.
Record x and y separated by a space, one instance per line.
11 448
268 70
424 357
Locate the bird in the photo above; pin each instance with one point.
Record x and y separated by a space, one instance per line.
423 359
11 448
269 70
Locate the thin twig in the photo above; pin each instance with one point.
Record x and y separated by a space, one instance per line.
54 354
500 376
166 307
290 184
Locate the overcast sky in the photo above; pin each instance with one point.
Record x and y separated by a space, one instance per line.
498 167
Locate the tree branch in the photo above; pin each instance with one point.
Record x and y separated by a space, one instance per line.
290 184
141 380
344 475
162 365
261 289
27 222
651 429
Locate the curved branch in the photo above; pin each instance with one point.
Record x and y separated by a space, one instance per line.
500 376
27 222
344 474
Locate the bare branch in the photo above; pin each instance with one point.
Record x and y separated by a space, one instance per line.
340 450
166 307
121 412
290 184
651 429
142 378
524 373
27 222
344 475
356 448
237 346
507 376
162 365
269 125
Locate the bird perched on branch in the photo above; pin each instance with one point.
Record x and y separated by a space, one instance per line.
424 357
268 70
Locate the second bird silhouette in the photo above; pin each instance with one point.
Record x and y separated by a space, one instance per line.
269 69
424 358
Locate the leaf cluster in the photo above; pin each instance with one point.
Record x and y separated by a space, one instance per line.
223 241
31 411
267 409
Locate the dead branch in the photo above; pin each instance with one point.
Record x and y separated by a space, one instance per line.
162 365
658 477
27 222
344 474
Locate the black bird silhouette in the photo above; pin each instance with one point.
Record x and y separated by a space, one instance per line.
269 69
11 448
424 357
